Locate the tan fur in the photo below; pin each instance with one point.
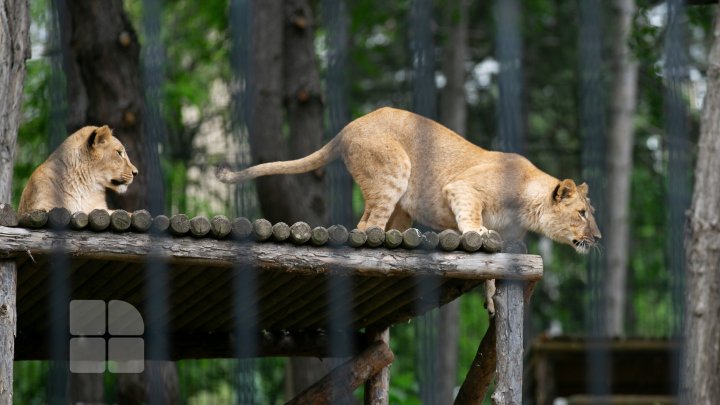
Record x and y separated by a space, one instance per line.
411 168
79 172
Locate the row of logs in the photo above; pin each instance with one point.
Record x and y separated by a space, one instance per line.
259 230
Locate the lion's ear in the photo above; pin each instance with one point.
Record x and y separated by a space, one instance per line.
583 189
564 189
99 136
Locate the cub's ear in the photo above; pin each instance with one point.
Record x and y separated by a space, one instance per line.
564 189
99 136
583 189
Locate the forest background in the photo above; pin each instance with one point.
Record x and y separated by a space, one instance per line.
196 100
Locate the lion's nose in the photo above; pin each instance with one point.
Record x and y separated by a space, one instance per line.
597 237
134 172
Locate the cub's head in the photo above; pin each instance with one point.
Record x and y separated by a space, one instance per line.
569 218
109 161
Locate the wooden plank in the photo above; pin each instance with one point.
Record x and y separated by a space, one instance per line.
316 316
268 287
509 342
341 382
289 258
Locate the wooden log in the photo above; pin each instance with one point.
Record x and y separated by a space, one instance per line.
296 260
412 238
98 220
160 224
199 226
356 238
280 232
33 219
492 242
179 224
449 240
509 342
341 382
79 220
430 240
141 221
338 234
220 226
8 217
471 241
300 233
262 230
378 385
319 236
482 370
58 218
242 228
120 221
375 236
393 239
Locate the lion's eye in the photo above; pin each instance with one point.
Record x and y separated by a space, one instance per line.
582 213
120 153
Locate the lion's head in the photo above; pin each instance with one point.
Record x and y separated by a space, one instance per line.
110 163
569 217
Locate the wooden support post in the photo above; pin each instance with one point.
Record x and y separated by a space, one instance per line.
376 388
509 334
342 381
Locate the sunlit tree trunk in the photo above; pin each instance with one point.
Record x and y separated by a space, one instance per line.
14 51
453 114
702 297
620 164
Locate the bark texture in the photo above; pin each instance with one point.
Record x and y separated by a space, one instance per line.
509 334
14 51
619 164
102 66
702 300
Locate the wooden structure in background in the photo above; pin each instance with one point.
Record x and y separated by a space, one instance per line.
641 370
293 265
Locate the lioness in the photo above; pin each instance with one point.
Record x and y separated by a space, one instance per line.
78 173
411 168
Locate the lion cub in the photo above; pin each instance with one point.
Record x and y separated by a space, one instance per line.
78 173
411 168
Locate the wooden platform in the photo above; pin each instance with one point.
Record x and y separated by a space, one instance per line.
290 289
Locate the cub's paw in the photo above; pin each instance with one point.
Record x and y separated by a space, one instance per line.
222 172
489 294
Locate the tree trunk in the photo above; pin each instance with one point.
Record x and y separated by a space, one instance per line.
453 114
702 297
14 51
104 84
619 162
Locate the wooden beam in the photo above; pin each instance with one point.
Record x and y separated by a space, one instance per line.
482 370
306 260
342 381
509 345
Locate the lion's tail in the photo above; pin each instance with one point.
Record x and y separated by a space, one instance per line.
319 158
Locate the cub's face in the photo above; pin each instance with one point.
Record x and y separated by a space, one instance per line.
111 163
570 218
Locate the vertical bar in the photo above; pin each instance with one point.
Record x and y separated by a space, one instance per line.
592 128
678 168
59 294
337 42
245 278
156 286
509 342
509 54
